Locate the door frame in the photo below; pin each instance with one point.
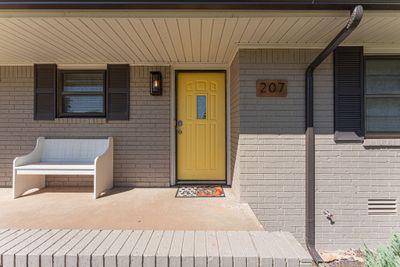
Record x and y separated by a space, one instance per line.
173 110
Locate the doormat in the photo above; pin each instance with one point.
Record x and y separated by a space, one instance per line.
200 191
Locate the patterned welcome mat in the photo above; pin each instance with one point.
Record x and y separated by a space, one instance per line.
200 191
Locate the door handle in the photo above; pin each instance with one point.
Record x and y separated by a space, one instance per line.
179 124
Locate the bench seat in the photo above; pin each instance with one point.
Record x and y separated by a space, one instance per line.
79 156
57 168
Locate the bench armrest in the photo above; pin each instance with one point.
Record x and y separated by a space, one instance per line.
104 170
109 149
33 156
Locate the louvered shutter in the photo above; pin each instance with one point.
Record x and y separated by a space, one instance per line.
118 92
349 93
45 86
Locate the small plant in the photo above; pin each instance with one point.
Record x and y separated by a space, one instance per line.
388 256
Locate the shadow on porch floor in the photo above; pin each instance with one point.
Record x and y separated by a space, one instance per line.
123 208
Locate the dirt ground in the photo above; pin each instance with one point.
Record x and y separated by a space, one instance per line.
342 258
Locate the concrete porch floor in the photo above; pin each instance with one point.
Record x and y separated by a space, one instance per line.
123 208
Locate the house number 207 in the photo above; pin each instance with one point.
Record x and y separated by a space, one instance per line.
273 88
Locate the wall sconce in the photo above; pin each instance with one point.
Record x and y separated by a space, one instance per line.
155 83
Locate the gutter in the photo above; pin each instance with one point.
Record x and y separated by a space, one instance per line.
201 4
352 24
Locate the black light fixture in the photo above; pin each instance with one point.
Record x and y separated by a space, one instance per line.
155 83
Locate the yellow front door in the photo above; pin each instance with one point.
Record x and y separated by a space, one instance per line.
201 126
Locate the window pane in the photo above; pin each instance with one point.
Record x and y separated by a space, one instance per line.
383 76
84 82
201 107
83 104
383 114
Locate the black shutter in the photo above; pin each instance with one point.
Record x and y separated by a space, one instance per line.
349 94
118 92
45 86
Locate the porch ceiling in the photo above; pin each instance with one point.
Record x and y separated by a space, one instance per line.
167 37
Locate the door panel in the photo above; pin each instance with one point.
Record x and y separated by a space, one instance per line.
201 146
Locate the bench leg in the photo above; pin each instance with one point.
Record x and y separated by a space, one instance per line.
103 180
102 183
23 183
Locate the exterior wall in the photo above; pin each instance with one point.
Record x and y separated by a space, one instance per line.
235 124
347 176
272 157
271 139
141 145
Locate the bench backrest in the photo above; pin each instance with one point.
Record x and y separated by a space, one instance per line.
73 150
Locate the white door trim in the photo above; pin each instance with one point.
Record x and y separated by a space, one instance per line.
174 68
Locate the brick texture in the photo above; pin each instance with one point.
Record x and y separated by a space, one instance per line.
272 162
267 146
141 145
235 124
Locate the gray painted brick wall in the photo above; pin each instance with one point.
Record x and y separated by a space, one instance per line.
235 123
142 144
272 162
267 146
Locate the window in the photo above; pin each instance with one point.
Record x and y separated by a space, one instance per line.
382 95
81 94
201 107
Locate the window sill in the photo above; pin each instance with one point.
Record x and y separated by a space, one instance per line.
81 120
384 142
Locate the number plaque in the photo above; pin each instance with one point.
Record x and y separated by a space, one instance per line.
274 88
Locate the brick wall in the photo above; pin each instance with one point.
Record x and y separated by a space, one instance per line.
272 139
272 162
141 145
235 124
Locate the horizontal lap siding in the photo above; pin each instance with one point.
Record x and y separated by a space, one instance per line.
272 159
141 146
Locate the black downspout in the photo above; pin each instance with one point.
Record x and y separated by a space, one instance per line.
353 22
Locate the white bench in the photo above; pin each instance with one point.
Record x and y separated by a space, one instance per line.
65 157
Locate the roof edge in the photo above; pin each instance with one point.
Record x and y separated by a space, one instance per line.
204 5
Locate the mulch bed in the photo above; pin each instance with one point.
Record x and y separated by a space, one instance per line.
343 258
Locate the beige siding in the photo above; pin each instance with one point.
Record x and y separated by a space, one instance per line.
142 145
272 161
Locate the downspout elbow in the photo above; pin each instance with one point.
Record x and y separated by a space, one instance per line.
310 71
